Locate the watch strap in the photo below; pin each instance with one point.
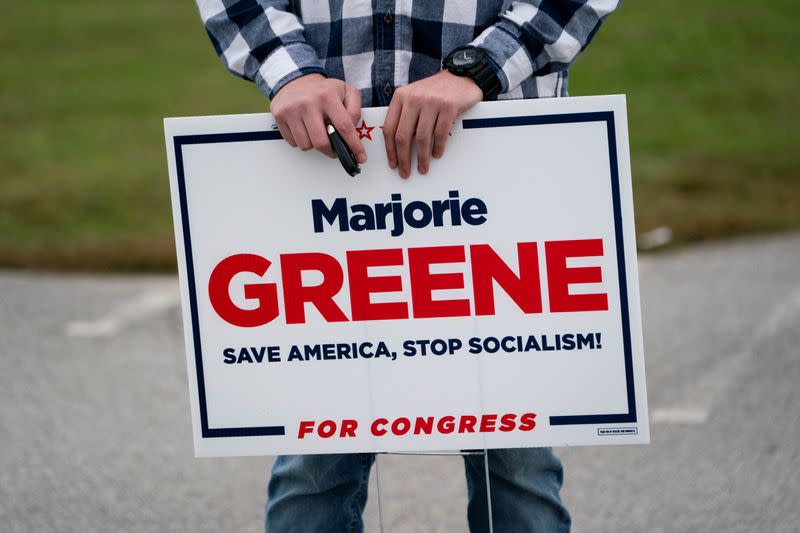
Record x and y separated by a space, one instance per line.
485 77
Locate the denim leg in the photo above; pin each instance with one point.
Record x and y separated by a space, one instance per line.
318 493
525 484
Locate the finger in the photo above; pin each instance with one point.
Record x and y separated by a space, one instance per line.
315 125
300 134
404 136
352 103
444 124
424 139
341 120
286 132
390 127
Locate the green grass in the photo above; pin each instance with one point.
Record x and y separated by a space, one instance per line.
712 95
713 109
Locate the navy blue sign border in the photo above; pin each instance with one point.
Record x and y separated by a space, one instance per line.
608 118
180 141
602 116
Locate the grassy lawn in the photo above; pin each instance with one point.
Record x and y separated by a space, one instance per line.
712 95
713 104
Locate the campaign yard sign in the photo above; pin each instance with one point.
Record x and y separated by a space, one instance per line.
492 303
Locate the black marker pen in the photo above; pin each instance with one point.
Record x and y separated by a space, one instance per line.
343 152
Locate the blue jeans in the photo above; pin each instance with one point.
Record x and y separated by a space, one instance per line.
328 493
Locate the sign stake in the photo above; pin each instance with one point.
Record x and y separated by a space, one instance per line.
378 483
488 489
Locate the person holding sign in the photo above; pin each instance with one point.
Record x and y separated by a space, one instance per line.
320 62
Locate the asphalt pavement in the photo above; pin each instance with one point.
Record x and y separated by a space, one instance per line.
95 432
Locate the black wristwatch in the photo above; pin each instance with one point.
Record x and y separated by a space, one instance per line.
473 62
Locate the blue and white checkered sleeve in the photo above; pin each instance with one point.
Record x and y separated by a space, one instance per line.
259 40
538 37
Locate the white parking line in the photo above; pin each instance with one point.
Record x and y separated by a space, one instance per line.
715 383
147 304
679 415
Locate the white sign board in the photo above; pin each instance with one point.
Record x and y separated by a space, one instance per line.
492 303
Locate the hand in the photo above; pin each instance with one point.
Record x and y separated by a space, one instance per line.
425 111
304 106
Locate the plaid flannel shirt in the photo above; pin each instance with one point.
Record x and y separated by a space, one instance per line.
378 45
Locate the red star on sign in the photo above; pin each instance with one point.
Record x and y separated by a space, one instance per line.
365 132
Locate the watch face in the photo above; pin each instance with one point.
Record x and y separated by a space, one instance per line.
465 57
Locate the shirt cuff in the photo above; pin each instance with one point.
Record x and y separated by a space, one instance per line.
504 47
286 63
